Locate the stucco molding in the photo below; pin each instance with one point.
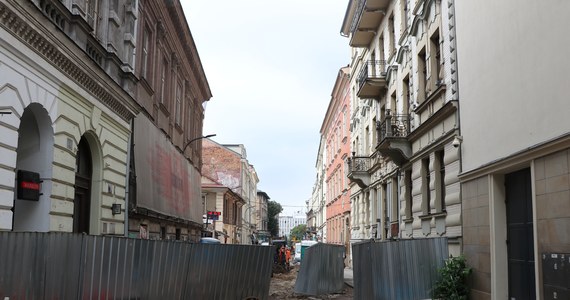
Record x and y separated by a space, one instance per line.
37 41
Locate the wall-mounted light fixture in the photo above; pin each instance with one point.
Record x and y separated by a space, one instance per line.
116 209
195 139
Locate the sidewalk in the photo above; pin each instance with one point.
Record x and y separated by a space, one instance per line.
348 278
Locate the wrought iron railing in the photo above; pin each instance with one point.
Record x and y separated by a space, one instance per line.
373 69
394 126
357 14
358 164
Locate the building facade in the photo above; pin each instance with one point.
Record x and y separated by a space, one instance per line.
286 223
316 209
335 130
261 216
165 200
66 106
228 166
514 173
222 209
404 168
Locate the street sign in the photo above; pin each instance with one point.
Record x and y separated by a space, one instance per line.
214 215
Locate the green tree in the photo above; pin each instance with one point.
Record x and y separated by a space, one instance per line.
298 232
273 209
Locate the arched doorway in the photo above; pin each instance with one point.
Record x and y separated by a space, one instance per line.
88 185
35 154
83 177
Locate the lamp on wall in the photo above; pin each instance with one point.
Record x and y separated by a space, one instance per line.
195 139
116 209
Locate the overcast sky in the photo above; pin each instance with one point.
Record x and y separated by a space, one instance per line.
271 66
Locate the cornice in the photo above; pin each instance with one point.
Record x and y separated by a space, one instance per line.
37 41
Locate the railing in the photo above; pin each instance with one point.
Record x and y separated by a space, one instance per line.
373 69
357 14
358 164
394 126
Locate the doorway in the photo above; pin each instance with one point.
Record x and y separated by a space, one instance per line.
35 154
520 239
82 200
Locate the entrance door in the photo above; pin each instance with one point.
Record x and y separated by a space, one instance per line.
520 246
82 201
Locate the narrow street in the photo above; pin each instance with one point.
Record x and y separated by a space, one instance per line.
282 286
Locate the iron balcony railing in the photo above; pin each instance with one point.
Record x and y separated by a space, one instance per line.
357 15
373 69
394 126
358 164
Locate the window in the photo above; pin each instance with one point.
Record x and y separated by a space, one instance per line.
178 108
425 186
392 36
406 94
146 53
163 81
408 198
435 62
404 16
439 167
381 54
394 198
422 75
367 140
92 12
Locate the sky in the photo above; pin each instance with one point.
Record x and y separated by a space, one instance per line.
271 66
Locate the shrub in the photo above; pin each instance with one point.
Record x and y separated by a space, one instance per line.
452 283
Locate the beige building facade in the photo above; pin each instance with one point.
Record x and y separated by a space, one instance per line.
66 98
404 166
515 168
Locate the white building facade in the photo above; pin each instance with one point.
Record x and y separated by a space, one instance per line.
513 76
404 168
67 103
316 209
286 223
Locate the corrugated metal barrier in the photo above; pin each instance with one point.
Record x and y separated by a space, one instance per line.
74 266
322 270
404 269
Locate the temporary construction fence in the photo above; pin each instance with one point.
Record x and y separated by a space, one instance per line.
404 269
75 266
322 270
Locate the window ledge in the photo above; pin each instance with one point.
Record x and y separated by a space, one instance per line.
164 109
440 214
425 217
146 85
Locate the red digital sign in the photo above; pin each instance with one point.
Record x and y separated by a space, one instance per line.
28 185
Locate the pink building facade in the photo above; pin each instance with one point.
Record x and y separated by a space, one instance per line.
336 130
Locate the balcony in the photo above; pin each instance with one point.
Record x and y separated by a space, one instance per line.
358 167
365 21
393 138
371 80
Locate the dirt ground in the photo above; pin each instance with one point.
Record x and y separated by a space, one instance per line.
282 286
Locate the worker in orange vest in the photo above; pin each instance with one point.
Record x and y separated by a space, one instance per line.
287 257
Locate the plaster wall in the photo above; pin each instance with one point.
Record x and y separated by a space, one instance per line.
513 72
72 112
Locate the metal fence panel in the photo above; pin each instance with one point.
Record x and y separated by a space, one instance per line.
362 265
404 269
322 270
74 266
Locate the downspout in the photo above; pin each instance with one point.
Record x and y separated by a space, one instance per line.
128 177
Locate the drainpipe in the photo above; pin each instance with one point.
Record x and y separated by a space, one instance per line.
127 180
